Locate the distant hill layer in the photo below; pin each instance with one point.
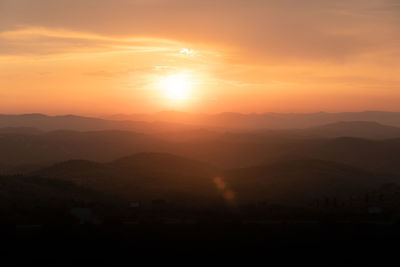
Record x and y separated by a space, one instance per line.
79 123
20 130
148 176
358 129
180 121
26 152
51 147
269 120
361 129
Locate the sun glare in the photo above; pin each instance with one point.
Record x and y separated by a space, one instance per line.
177 87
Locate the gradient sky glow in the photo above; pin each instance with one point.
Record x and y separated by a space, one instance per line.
109 56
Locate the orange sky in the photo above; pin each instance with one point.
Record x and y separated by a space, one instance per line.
111 56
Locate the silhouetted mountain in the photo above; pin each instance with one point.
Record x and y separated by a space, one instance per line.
358 129
79 123
372 155
163 163
223 150
197 127
20 130
361 129
298 181
58 146
42 199
141 176
149 176
26 149
265 120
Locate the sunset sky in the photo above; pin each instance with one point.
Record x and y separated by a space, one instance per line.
97 57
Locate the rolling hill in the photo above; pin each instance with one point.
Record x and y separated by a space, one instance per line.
34 199
25 152
56 146
144 176
297 182
359 129
270 120
79 123
147 176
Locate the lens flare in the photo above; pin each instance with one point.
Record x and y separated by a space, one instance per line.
227 194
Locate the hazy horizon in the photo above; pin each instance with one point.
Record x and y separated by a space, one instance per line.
166 111
199 56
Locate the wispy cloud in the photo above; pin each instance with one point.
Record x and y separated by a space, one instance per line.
261 31
44 41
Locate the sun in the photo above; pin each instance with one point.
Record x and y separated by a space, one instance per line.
177 87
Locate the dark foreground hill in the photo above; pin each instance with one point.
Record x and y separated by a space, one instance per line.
150 176
144 176
186 206
297 182
27 199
